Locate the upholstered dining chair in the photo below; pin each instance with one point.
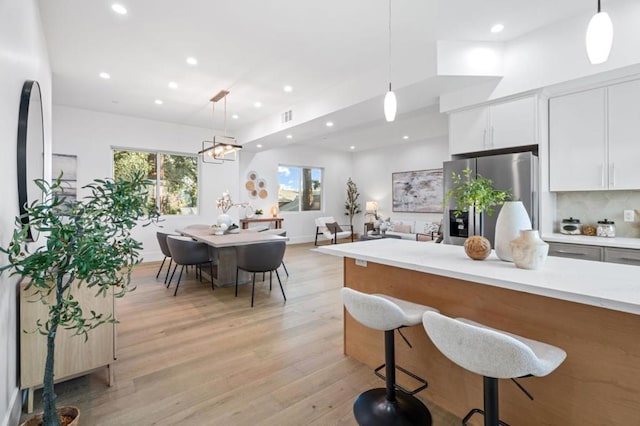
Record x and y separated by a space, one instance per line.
185 252
281 233
260 257
164 248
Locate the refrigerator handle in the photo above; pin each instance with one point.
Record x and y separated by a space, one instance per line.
484 138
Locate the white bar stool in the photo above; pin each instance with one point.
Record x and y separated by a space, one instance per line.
493 354
385 406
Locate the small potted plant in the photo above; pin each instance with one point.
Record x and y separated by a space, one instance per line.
475 194
88 244
258 213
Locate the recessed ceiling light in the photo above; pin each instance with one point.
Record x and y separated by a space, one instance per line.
352 147
289 136
257 104
329 123
259 145
119 9
497 28
158 102
405 137
105 75
287 88
192 61
173 85
235 116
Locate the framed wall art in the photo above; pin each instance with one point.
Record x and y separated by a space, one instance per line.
68 166
419 191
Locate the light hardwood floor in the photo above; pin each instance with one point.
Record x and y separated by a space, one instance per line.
208 358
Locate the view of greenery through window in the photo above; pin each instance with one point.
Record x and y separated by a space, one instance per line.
174 178
299 188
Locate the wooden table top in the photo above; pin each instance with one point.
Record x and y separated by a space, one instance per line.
244 237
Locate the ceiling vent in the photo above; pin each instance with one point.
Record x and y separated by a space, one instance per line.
287 116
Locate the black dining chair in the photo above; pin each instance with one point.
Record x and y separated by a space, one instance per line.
260 257
184 252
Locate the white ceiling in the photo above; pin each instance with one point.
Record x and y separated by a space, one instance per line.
255 47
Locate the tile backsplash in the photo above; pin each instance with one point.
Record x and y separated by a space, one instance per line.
590 207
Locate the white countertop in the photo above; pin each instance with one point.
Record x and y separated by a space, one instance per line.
608 285
621 242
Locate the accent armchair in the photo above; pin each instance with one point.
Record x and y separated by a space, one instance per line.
328 228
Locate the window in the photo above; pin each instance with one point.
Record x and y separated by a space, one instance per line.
174 178
299 188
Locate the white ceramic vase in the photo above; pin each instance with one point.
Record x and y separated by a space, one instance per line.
529 251
512 219
224 219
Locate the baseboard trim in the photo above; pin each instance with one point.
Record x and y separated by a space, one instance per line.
12 417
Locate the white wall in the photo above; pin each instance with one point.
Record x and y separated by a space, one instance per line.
337 169
90 135
373 169
557 54
23 56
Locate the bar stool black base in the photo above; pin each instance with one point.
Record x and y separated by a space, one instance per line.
373 409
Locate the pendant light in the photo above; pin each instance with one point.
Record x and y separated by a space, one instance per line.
599 37
223 147
390 103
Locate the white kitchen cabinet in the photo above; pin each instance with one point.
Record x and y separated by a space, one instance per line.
594 139
468 130
502 125
624 135
577 131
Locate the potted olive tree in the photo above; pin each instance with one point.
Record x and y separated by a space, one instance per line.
475 194
351 205
88 243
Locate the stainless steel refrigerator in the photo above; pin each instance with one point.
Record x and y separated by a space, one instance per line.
517 173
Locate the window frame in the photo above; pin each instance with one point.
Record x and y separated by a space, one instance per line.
300 168
159 153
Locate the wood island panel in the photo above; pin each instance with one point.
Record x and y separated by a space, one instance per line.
599 382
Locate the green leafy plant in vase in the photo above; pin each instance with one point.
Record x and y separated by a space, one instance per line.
88 243
258 212
475 194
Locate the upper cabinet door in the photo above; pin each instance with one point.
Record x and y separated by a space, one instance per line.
624 135
577 142
514 123
468 130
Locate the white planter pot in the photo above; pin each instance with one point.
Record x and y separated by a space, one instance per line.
225 219
529 251
512 219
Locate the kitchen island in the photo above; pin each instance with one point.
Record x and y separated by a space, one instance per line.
589 309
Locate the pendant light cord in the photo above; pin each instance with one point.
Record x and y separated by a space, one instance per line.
390 43
598 6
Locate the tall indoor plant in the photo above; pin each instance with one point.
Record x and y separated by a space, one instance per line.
88 243
351 205
478 196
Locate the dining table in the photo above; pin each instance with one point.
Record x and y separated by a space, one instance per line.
223 250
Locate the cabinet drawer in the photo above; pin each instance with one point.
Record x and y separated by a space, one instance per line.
576 251
620 255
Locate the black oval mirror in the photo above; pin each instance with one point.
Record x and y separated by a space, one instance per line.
30 149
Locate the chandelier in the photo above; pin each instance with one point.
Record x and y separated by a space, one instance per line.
223 147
